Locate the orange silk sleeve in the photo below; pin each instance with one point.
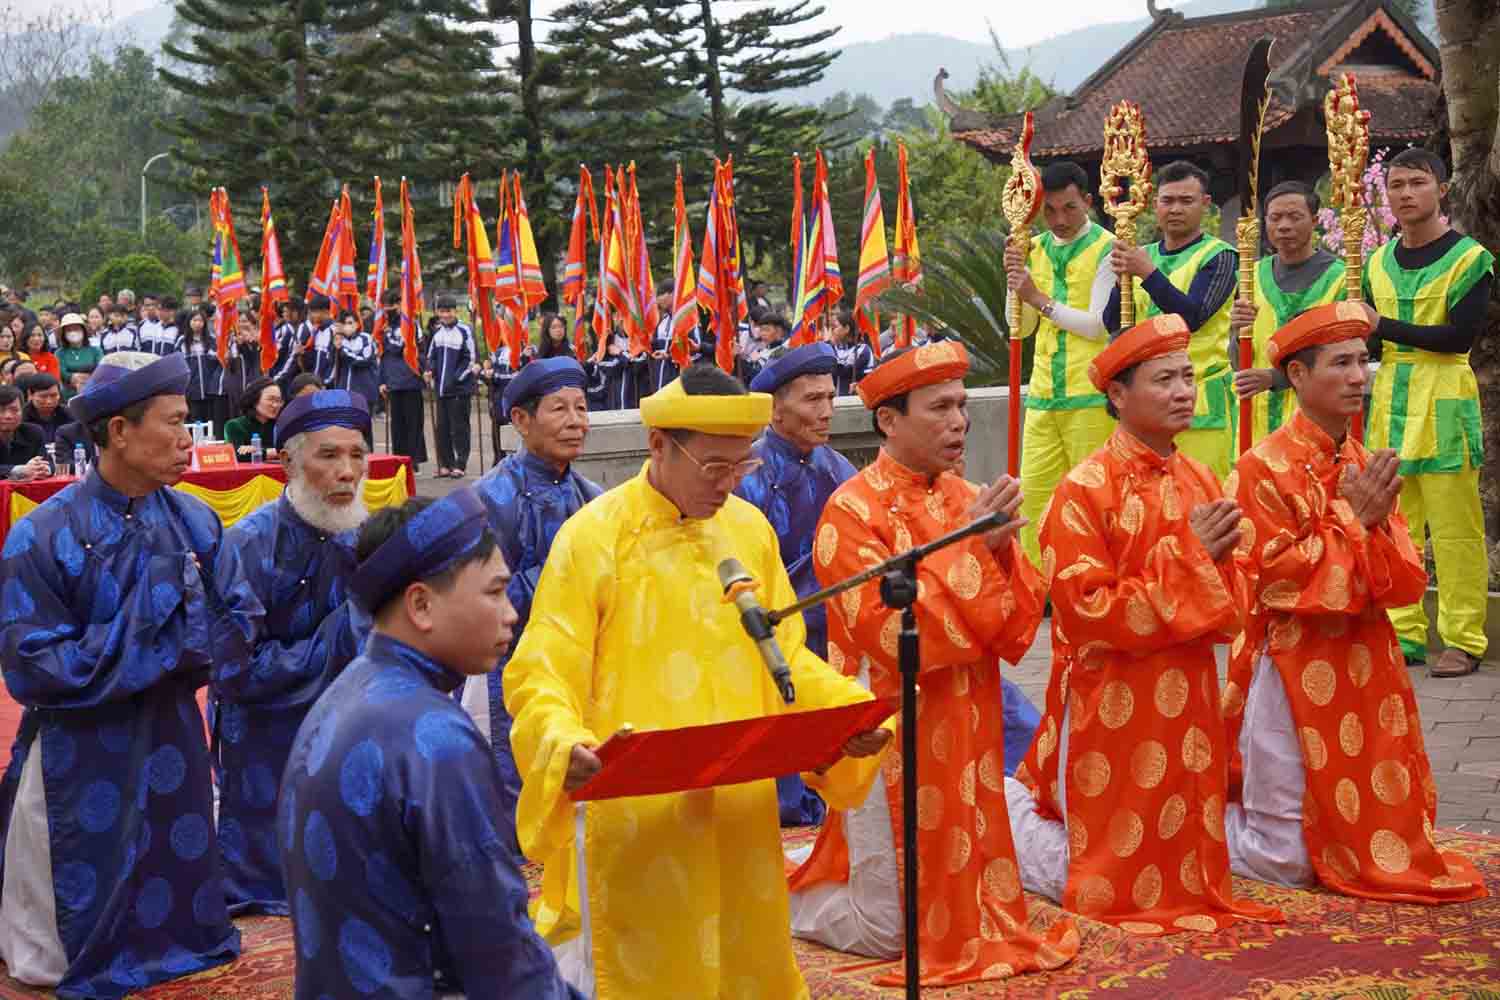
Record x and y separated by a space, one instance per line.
969 606
1312 555
1176 595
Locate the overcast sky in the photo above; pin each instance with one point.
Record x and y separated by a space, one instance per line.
1017 23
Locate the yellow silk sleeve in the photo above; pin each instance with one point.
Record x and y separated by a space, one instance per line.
548 686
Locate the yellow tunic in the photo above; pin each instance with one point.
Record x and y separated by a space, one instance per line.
686 892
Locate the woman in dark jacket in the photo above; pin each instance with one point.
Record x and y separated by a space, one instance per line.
401 388
260 404
205 393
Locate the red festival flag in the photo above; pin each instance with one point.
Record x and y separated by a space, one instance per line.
324 279
643 286
468 230
273 282
348 288
375 276
227 281
575 270
874 264
412 304
684 302
601 320
906 254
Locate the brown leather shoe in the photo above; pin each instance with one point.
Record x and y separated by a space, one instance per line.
1454 663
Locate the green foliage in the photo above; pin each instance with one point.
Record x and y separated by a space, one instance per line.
140 272
31 229
956 272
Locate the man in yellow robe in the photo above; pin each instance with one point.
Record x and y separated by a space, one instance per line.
678 895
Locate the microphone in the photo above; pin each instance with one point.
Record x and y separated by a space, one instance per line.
739 587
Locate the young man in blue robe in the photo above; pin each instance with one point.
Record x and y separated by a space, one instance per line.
529 496
111 621
400 882
297 555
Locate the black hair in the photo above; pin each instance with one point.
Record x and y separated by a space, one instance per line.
446 302
1416 158
38 382
167 304
1124 376
192 290
1063 174
302 382
1181 170
320 302
1308 356
9 394
384 523
250 398
119 307
99 429
294 306
392 297
777 320
152 296
845 317
897 403
348 314
531 405
704 379
1295 187
547 349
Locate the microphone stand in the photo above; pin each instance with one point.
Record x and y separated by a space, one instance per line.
898 591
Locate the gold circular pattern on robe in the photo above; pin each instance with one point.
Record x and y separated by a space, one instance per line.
1132 514
1116 704
991 773
1089 474
1146 892
1342 861
1091 773
966 784
939 920
1197 922
1148 763
1049 564
1139 615
1078 835
1393 715
942 740
1284 634
851 599
1213 817
960 848
890 631
827 543
1171 692
1190 873
1336 588
1361 664
1346 797
965 576
1170 820
1312 548
901 536
1351 735
1125 833
1233 701
1197 751
1390 852
1003 880
1280 594
1074 519
1391 782
1171 506
1046 740
934 505
1314 751
1095 895
1318 681
929 807
852 504
1000 970
980 823
1141 927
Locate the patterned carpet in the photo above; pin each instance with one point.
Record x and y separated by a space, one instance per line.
1331 948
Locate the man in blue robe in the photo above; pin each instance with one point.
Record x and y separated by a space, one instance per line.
529 496
401 883
798 475
297 553
110 620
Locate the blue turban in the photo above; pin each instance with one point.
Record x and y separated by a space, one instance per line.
541 377
432 541
809 359
117 383
324 408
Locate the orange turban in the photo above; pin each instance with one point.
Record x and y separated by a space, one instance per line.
930 364
1153 338
1330 324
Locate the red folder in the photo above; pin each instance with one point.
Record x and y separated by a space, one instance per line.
728 753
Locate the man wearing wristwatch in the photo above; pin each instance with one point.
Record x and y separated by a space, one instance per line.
1064 285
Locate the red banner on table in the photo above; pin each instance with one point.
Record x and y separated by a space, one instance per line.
729 753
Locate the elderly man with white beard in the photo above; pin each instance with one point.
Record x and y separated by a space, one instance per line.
297 554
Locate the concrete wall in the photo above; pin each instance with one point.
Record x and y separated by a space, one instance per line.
617 441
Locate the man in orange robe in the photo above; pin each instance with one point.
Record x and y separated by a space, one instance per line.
1336 786
1119 807
980 602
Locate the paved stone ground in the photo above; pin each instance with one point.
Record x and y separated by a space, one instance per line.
1460 718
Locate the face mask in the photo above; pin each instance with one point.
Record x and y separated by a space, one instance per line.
74 337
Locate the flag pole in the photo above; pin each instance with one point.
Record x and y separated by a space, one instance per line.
1348 155
1021 201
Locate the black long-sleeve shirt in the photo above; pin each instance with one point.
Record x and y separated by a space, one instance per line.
26 443
1465 318
1210 289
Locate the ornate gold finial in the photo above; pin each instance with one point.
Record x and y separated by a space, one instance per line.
1348 155
1020 201
1125 160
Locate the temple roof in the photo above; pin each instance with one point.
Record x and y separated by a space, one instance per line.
1186 74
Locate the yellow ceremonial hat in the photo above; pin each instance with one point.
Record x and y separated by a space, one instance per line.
929 364
672 408
1328 324
1153 338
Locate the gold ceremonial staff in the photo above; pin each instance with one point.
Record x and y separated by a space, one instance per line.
1125 160
1348 155
1020 201
1247 229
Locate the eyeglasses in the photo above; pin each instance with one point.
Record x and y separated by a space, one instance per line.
715 470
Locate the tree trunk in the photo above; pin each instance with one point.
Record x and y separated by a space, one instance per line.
712 45
1470 35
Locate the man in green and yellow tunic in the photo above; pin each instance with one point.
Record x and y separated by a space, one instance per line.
1427 292
1297 277
1064 285
1191 274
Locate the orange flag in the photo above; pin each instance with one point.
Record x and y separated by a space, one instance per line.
874 264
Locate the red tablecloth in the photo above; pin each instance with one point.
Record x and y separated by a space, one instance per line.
381 467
